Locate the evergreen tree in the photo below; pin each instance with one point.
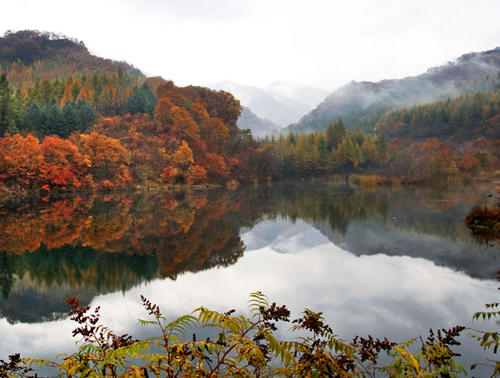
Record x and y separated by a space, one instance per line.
381 144
329 136
141 100
334 134
323 154
55 124
71 118
33 120
347 155
86 114
6 113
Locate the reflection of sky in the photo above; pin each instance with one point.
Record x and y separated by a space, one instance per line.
294 264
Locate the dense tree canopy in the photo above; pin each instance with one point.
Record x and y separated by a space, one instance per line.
126 130
459 119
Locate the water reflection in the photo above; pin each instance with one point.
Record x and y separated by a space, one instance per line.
395 296
103 244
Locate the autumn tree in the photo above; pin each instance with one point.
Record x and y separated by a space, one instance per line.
21 159
63 165
216 168
106 158
183 157
183 126
196 174
162 114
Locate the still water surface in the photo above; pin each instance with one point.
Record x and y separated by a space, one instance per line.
390 262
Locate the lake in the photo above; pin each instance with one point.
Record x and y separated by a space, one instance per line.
387 262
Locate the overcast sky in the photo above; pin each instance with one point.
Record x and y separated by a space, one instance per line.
324 43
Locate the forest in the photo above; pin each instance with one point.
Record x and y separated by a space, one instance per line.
98 131
344 152
459 119
102 125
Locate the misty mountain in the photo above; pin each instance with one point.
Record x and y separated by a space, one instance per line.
260 127
372 237
282 102
306 96
360 103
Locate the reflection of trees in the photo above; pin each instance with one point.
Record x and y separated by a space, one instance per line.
32 303
7 271
113 243
337 205
434 212
28 227
427 211
76 267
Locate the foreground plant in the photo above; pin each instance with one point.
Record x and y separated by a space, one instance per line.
241 346
489 340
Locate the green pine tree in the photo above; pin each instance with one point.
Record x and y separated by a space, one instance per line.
6 111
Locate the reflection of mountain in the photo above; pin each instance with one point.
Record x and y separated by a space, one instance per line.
373 237
82 247
425 223
111 243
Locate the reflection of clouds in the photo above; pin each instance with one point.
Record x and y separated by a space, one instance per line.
42 340
400 296
282 236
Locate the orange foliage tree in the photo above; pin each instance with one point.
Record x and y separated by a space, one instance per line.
21 159
63 165
106 157
196 174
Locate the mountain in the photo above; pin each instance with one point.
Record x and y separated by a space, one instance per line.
260 127
281 102
50 54
261 102
57 96
307 96
360 103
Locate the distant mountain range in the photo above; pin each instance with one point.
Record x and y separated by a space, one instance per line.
260 127
358 102
283 105
281 102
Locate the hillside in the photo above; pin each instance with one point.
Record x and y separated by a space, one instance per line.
73 121
459 119
359 103
30 54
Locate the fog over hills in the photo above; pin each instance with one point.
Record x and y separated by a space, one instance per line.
356 100
305 96
260 127
281 102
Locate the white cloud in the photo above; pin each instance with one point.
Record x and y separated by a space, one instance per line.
319 42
